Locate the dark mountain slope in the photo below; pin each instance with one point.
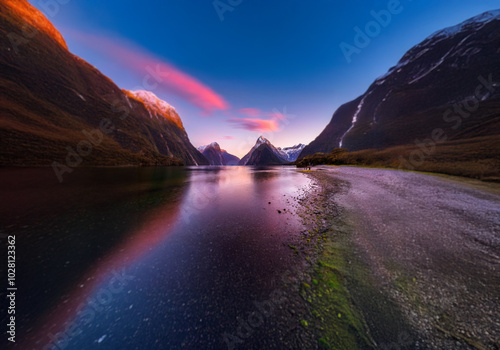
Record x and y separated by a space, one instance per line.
264 155
48 97
279 156
230 159
217 156
433 87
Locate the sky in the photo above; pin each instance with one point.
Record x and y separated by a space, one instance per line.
238 69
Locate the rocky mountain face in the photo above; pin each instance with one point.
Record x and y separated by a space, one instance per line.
217 156
265 153
448 84
55 108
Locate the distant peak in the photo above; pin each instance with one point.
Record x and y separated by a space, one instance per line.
211 145
300 145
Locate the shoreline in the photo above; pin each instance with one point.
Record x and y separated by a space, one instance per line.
484 185
428 297
345 304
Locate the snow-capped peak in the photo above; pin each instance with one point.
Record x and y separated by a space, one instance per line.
213 145
476 21
150 98
262 140
157 105
291 153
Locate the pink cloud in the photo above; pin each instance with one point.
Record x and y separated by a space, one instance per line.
157 74
228 138
258 124
250 112
254 124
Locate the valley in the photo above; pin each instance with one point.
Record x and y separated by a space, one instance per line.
171 178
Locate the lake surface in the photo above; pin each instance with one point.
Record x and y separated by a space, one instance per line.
148 258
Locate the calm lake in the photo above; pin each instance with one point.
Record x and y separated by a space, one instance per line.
149 258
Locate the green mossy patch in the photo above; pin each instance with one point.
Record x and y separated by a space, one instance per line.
340 324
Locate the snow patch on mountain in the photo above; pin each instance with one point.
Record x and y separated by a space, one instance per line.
157 106
260 141
286 154
291 154
476 22
213 145
217 156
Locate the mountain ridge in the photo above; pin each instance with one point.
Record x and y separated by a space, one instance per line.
264 155
218 156
51 99
413 98
271 155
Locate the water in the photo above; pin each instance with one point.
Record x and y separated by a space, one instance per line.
147 258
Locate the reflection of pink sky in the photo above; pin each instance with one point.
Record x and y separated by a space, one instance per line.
155 228
208 192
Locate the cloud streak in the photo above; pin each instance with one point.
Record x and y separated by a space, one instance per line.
257 120
156 74
255 124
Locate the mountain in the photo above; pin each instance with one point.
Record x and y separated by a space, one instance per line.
217 156
291 154
264 153
448 84
56 109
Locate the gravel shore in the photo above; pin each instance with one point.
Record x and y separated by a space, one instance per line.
432 247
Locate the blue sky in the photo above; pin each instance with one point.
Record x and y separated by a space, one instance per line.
255 67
